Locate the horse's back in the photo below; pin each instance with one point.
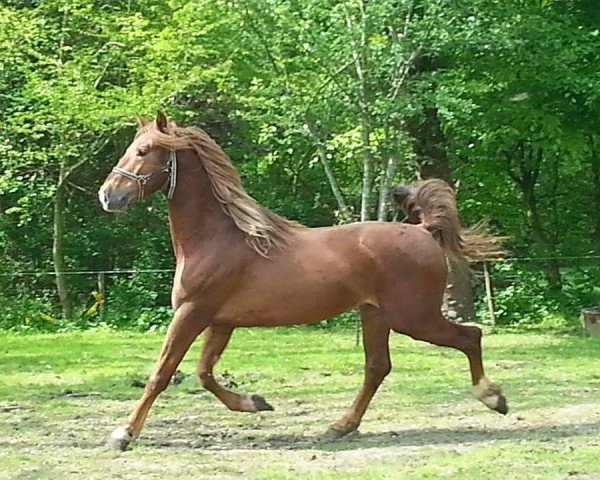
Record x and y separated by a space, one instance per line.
387 242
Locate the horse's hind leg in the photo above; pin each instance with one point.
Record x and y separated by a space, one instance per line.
215 341
438 330
377 365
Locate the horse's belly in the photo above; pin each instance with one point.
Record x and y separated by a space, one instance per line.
288 301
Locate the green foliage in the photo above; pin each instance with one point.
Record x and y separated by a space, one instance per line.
25 312
505 95
523 298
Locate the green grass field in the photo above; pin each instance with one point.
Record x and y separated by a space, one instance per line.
62 394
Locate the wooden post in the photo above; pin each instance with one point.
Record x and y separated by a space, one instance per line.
489 292
102 292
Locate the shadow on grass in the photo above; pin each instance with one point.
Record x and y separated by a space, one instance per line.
400 438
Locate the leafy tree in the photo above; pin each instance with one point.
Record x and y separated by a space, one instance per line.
322 105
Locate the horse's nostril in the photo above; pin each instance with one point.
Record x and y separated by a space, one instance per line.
113 201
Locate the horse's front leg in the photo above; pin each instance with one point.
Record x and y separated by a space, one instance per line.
183 330
215 341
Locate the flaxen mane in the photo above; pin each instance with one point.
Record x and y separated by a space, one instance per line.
264 229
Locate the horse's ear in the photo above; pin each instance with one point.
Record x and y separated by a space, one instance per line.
141 121
161 121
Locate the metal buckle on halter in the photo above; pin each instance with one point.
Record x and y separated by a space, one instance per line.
141 180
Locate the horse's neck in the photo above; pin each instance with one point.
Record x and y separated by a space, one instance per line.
196 219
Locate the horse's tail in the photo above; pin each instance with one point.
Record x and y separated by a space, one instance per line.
432 203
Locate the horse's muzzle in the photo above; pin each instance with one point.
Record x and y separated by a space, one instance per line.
113 202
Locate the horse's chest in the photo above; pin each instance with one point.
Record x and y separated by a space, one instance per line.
206 287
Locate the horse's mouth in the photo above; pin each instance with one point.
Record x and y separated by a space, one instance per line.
114 210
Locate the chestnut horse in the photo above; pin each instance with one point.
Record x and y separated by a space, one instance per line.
240 265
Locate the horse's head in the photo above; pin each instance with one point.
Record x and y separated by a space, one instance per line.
145 168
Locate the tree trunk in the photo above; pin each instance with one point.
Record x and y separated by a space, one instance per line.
384 188
367 180
529 161
595 159
459 302
552 271
58 255
388 169
359 55
337 193
432 162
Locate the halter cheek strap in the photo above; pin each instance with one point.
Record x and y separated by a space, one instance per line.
170 168
172 180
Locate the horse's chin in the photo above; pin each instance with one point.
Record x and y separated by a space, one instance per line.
115 210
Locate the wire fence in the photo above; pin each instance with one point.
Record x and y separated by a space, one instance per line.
126 271
129 271
491 277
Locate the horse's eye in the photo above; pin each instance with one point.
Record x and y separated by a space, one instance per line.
142 152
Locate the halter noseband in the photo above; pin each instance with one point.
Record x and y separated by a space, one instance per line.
141 180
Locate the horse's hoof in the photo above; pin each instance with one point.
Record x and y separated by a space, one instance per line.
335 434
119 439
502 407
117 444
261 404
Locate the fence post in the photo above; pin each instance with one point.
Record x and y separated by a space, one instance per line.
102 292
489 292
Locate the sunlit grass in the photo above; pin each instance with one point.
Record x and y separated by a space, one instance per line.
61 395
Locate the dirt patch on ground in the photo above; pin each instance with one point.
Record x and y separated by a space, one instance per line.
224 444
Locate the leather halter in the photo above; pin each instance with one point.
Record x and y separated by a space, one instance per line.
141 180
